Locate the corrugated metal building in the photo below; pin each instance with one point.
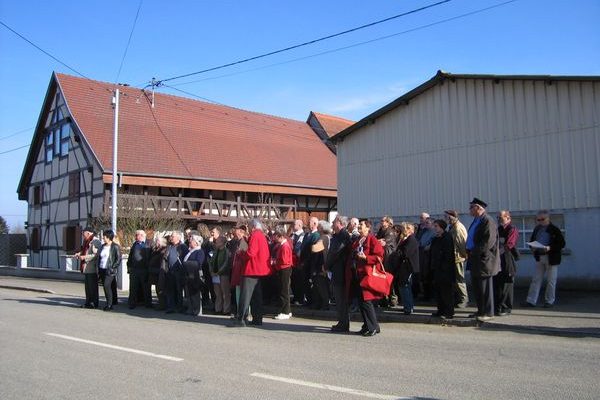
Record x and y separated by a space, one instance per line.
521 143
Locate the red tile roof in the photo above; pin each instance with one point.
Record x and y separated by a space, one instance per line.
192 139
332 124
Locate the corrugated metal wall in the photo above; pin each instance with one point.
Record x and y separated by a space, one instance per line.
518 144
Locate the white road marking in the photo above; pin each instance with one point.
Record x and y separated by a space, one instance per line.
112 346
339 389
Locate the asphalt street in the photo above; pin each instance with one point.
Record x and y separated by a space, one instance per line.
52 349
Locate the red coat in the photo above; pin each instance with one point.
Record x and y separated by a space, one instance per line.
258 257
374 251
283 260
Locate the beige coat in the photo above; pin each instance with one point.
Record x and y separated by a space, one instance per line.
459 236
92 257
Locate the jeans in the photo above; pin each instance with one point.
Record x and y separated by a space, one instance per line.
407 296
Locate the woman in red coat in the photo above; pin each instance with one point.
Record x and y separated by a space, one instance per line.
366 253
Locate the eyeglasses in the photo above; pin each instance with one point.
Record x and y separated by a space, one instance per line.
540 219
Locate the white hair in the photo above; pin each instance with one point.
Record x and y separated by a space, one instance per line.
256 224
325 226
141 232
197 238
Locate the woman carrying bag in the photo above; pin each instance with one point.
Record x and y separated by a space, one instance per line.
367 254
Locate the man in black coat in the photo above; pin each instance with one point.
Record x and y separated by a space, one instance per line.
483 258
336 263
137 268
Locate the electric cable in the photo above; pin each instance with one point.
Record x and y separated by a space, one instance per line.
129 40
416 10
16 133
15 149
42 50
460 16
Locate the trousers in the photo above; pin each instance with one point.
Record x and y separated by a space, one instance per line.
542 268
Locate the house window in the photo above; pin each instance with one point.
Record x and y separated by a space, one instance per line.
526 224
74 185
58 133
35 242
71 238
38 195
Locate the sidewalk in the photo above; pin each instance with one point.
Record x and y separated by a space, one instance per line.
576 314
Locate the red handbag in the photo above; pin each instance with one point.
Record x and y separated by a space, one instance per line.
377 279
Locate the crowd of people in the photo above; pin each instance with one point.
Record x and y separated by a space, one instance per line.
233 273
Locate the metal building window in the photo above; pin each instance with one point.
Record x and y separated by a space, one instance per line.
526 224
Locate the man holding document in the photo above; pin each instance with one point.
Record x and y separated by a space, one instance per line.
547 242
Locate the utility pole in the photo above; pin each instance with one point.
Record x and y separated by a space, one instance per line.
115 102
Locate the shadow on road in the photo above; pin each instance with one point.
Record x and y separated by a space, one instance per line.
578 332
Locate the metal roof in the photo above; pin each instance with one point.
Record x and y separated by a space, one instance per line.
442 76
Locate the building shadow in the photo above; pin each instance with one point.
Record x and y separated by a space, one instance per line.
581 332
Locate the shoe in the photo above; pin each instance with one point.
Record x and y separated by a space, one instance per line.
369 333
461 305
170 311
436 314
446 317
283 316
362 331
256 322
87 306
474 315
527 304
407 312
501 313
484 318
340 328
107 308
131 307
548 305
237 323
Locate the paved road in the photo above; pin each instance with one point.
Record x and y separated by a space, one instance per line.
43 357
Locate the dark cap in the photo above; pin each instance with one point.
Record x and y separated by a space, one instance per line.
480 203
88 229
452 213
243 227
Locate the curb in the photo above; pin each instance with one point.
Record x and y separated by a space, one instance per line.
29 289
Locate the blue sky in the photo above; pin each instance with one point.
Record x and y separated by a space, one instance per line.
172 38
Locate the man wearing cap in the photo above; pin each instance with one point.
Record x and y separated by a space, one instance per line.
458 232
88 265
483 258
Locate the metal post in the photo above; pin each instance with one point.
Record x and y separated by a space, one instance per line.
115 153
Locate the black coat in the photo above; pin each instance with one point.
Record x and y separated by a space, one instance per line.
138 257
114 259
441 258
484 257
407 258
557 243
337 256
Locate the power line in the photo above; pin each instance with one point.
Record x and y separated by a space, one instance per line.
193 95
15 149
129 40
16 133
350 46
416 10
42 50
